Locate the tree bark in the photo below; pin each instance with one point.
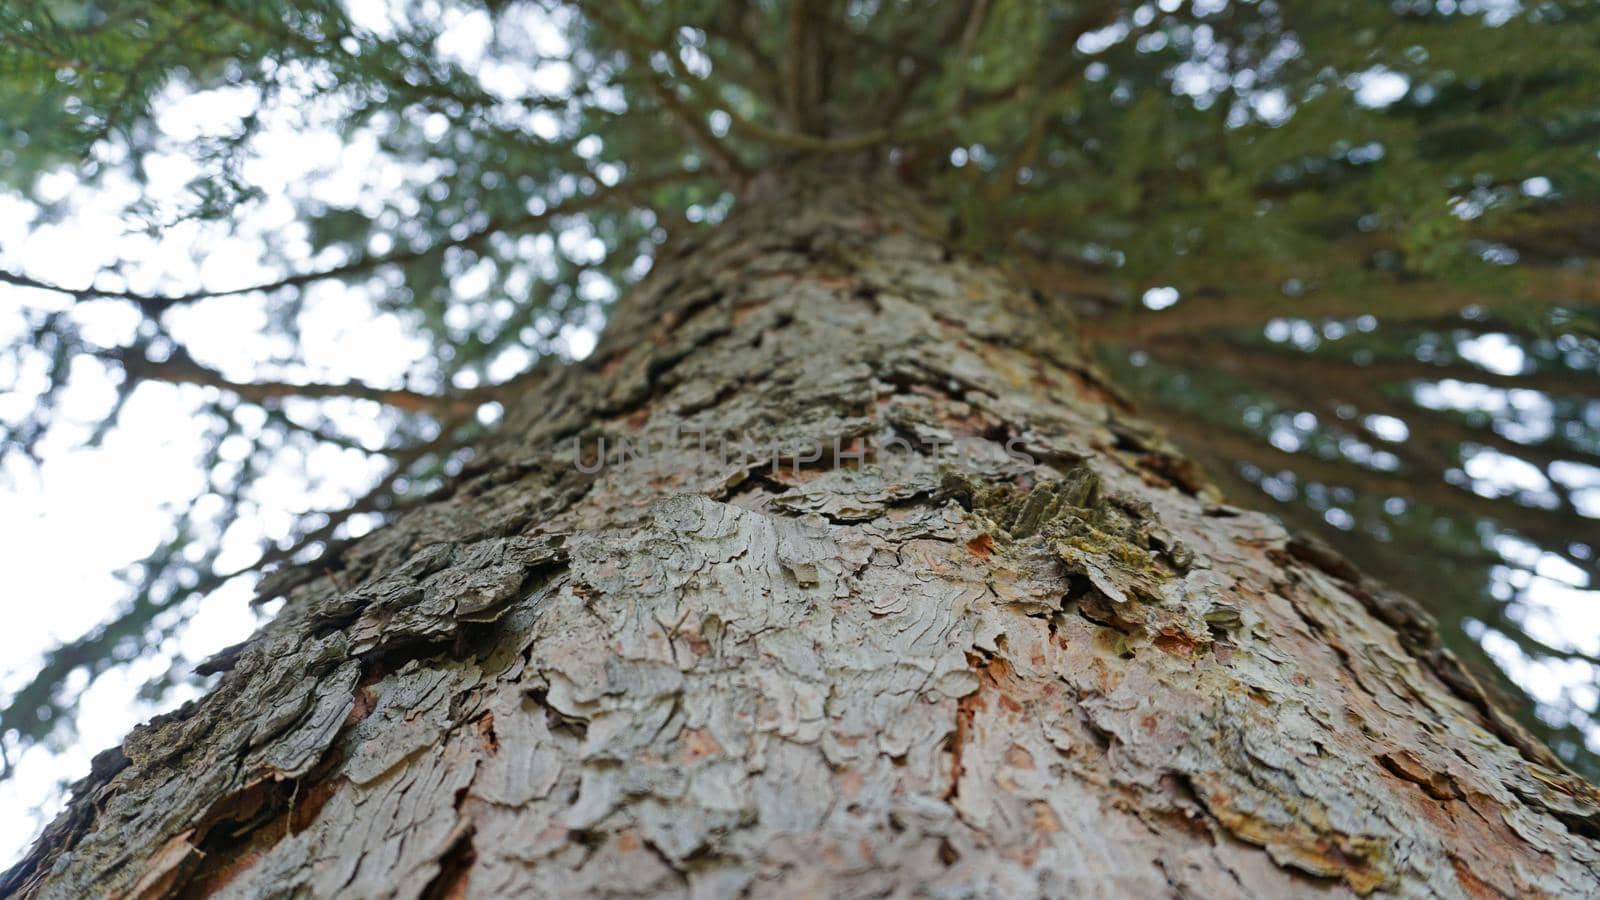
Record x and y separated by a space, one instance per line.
949 620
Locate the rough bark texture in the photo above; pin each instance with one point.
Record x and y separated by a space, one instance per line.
943 672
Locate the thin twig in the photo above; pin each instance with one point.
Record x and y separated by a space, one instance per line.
156 304
181 368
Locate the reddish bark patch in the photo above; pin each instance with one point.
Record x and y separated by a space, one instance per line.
1404 765
1018 757
854 454
242 828
744 311
1175 645
697 642
849 783
486 735
1471 884
699 744
1045 820
1187 812
366 702
981 546
966 710
308 803
213 877
165 867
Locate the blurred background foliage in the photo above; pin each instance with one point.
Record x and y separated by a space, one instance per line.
1344 251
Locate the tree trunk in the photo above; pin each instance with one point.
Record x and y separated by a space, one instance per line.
928 612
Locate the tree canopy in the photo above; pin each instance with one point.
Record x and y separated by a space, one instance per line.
1345 250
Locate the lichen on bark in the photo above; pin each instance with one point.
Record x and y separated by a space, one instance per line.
1027 652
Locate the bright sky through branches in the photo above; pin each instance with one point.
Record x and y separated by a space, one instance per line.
68 526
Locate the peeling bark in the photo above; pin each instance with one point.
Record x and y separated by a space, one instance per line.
967 627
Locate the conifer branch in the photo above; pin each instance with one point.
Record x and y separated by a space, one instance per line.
153 305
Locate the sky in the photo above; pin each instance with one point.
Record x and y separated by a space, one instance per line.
68 526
